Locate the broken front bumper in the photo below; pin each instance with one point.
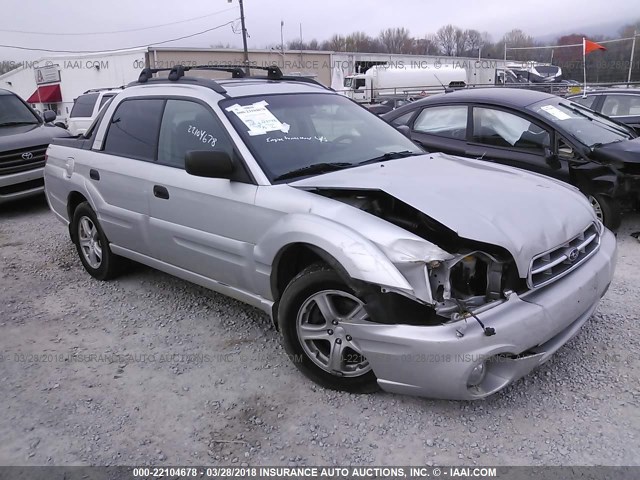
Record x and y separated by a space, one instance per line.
437 361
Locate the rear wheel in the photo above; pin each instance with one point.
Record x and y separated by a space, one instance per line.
92 244
312 311
607 210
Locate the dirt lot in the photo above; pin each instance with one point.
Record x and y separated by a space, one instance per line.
149 369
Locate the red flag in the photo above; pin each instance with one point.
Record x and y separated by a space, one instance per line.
590 46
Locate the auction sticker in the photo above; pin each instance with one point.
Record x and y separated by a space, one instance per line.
556 112
258 118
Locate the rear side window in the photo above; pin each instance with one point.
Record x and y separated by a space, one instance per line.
449 121
189 126
585 101
83 106
133 129
105 98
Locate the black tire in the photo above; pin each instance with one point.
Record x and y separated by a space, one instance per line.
109 265
607 209
297 300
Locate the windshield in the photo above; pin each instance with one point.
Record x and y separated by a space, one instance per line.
547 70
287 133
348 82
580 123
14 112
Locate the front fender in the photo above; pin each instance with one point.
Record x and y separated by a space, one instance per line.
596 178
360 257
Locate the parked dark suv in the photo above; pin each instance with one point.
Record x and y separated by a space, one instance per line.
24 138
534 131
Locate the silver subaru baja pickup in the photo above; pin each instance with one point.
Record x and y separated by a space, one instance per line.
381 265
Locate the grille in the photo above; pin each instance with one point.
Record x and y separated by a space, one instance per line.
14 162
550 266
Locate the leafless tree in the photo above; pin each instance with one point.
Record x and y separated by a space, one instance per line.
426 46
336 43
474 42
446 37
361 42
396 40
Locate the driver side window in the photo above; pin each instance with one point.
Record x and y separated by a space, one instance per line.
502 129
188 126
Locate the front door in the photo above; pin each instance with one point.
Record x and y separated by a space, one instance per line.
207 226
511 139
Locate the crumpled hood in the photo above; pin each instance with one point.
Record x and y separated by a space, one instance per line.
524 213
627 151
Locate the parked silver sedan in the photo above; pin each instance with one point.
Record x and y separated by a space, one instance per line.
382 266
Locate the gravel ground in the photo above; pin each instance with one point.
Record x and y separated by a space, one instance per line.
149 369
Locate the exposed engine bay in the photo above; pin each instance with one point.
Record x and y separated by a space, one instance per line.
474 276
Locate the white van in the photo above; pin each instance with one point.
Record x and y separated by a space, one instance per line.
86 108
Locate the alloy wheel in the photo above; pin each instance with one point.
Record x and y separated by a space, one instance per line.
596 207
89 240
323 337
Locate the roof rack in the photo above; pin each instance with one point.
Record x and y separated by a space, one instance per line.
93 90
237 71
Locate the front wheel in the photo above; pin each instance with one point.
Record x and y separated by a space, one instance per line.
607 210
312 310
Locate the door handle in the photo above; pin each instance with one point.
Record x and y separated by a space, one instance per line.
161 192
94 175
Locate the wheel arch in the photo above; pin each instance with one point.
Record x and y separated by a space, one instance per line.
74 199
298 240
295 257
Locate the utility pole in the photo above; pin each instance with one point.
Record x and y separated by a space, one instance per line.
244 37
633 51
282 38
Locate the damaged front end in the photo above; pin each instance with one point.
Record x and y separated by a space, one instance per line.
446 286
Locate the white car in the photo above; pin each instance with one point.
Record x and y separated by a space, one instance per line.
86 108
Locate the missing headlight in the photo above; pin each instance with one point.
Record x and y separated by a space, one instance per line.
471 279
468 277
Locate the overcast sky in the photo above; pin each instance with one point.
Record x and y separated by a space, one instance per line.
319 18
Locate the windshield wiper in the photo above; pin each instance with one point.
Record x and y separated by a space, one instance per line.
11 124
391 156
592 116
314 169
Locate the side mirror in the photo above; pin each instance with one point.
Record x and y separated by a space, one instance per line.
552 159
49 116
405 130
210 164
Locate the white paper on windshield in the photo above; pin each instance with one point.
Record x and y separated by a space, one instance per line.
556 112
258 118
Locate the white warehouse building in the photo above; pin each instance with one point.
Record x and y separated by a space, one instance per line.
52 83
